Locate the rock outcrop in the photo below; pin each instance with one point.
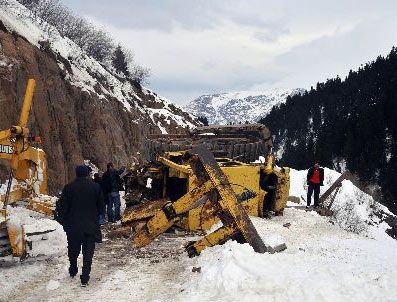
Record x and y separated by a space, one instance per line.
77 123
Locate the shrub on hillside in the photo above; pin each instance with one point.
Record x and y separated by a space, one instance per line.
348 217
95 41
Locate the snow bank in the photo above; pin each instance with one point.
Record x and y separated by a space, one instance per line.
327 259
353 209
50 244
322 263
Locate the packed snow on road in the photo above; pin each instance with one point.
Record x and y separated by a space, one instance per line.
339 258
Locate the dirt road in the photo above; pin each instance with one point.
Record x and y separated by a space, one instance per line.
120 273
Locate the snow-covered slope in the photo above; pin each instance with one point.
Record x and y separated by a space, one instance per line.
238 107
354 210
89 75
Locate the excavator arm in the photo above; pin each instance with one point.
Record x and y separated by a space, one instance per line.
28 167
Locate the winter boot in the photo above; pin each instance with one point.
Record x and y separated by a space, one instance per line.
73 270
84 280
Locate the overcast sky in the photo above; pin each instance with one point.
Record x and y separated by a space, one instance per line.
196 47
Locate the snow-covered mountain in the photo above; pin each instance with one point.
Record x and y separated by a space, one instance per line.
235 107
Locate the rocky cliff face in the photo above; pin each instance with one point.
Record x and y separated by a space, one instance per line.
101 121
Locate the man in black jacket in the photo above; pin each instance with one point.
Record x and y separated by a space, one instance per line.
98 179
315 179
77 210
112 182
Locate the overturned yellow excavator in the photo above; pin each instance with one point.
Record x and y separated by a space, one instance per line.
194 190
27 179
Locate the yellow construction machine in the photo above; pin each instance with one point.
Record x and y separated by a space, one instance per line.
27 179
195 191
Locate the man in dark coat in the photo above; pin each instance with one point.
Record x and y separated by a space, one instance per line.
315 179
77 210
112 183
98 179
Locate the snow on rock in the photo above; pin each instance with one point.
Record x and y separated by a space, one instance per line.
90 75
170 112
235 107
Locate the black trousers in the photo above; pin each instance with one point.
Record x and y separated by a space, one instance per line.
86 243
316 189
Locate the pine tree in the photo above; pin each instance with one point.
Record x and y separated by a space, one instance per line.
203 120
352 119
119 61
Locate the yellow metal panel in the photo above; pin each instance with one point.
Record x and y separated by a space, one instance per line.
159 223
243 177
4 136
282 192
182 168
41 207
16 235
36 169
188 200
216 237
154 227
142 211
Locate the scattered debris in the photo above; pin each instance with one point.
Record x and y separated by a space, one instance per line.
324 212
119 232
277 248
294 199
196 269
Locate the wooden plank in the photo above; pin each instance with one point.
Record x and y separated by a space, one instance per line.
333 187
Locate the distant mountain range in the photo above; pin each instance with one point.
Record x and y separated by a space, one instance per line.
235 107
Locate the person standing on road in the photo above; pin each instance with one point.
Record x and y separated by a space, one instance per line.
112 183
98 179
315 179
77 210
